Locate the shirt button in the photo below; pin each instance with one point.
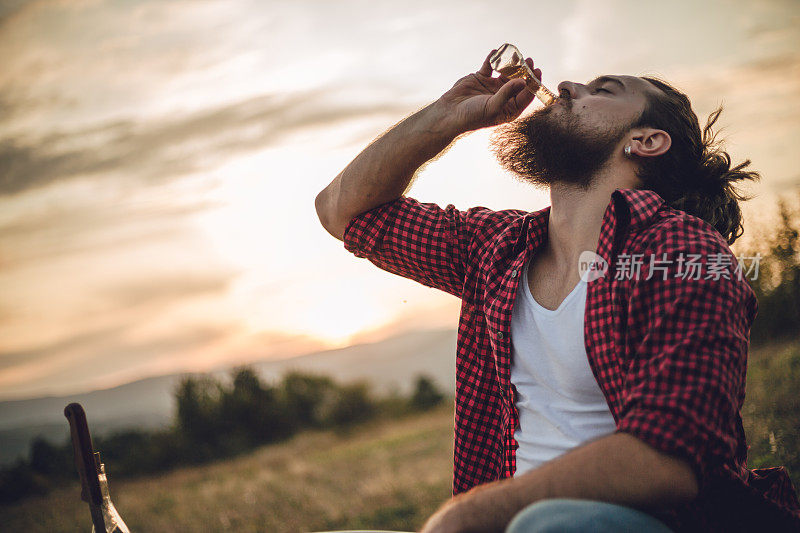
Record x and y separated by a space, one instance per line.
499 334
514 273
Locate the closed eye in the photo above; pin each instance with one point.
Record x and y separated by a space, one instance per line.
601 89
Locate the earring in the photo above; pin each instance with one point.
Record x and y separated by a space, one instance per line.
628 151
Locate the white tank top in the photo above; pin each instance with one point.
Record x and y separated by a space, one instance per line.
559 401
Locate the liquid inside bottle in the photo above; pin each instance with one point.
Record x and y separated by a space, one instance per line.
509 62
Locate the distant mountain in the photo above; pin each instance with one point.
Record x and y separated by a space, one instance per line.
390 365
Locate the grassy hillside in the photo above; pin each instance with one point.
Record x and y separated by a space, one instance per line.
771 412
389 474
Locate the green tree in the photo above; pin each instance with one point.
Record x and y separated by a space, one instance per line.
777 286
352 404
252 411
426 394
198 417
49 460
304 396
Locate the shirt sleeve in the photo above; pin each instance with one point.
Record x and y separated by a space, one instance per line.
685 384
419 241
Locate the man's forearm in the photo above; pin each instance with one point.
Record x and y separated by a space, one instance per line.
617 468
383 170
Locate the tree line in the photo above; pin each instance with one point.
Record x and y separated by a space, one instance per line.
215 419
777 285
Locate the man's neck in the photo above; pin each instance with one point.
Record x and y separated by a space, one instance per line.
576 216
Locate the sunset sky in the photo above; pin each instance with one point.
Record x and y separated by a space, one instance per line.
159 159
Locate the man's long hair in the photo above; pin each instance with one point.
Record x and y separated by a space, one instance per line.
695 174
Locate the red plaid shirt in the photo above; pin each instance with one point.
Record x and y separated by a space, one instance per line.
670 355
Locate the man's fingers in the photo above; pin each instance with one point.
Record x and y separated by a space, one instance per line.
536 71
524 99
508 91
486 68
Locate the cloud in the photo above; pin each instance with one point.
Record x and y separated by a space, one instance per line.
155 152
14 11
85 360
778 65
160 291
72 227
761 116
7 108
90 340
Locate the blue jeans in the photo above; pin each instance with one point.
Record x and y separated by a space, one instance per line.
566 515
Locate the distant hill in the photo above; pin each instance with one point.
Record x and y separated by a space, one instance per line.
391 364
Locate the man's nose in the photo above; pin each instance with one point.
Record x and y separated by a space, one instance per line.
568 87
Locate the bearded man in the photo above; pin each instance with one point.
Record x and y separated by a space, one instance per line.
602 341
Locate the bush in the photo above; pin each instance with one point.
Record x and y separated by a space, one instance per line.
49 460
771 414
426 394
777 286
352 404
252 413
198 417
304 396
19 481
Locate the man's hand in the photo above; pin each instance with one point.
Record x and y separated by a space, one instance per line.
487 508
446 520
478 100
617 468
383 171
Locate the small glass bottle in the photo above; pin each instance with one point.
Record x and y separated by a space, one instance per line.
509 62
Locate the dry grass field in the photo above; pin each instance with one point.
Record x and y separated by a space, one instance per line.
384 475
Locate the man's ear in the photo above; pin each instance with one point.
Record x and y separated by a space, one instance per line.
650 142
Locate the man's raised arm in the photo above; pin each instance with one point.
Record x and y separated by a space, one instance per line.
383 171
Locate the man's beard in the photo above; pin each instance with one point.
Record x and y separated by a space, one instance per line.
550 147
